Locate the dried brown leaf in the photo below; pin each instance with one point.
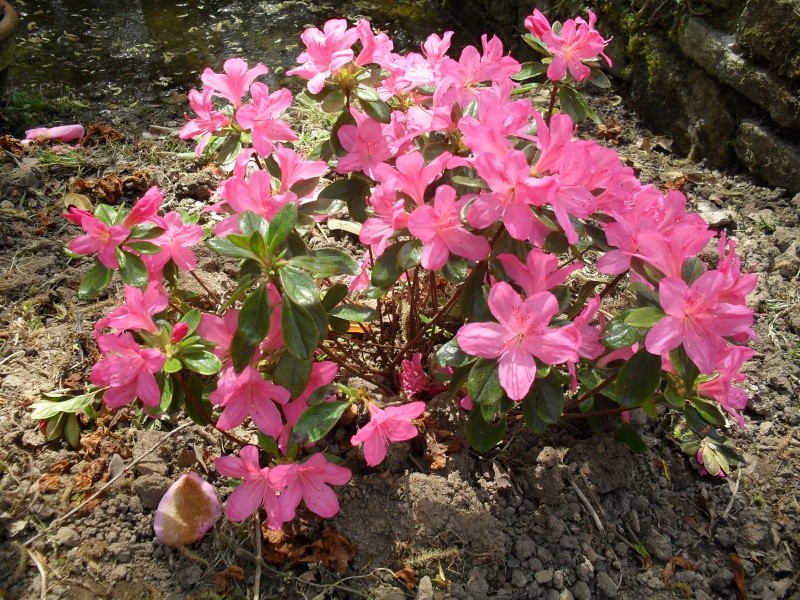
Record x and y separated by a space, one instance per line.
407 576
99 133
738 577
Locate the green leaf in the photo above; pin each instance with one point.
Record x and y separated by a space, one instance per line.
300 331
334 295
378 110
250 223
195 400
458 379
304 187
618 334
470 182
298 285
339 325
709 411
627 435
172 365
144 247
355 313
281 225
366 93
691 270
252 327
387 268
293 373
322 206
529 70
132 269
95 281
599 79
638 379
226 247
543 404
483 384
644 317
318 420
166 394
327 262
451 355
483 436
192 319
45 409
333 102
684 367
410 255
573 103
72 431
644 295
204 363
352 191
536 44
473 304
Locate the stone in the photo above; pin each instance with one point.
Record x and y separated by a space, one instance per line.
581 591
558 580
150 489
566 595
425 589
606 585
543 576
771 28
768 155
153 462
68 536
518 578
788 263
524 548
659 545
726 536
756 532
711 49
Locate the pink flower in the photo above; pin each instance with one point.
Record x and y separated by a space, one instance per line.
440 229
234 82
576 42
361 281
375 48
257 488
392 424
220 331
720 388
498 120
540 272
128 371
322 373
249 394
62 133
208 120
411 175
100 238
366 146
175 244
294 168
521 334
146 207
253 193
327 51
412 377
737 285
138 310
389 216
513 192
179 331
310 482
697 319
262 118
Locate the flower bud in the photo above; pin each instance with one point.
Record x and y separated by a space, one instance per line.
179 332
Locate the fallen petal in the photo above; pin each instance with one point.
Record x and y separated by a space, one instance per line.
187 511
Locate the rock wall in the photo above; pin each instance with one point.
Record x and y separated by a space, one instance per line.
720 77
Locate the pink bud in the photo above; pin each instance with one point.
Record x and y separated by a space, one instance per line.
179 332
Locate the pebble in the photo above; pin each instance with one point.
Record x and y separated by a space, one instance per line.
524 548
425 589
518 578
565 595
544 576
606 585
558 580
584 571
659 545
581 591
119 572
67 536
726 537
551 594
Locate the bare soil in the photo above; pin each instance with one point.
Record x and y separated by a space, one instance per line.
568 514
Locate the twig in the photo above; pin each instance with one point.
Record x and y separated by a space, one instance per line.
257 584
11 356
210 292
733 495
110 482
42 573
587 505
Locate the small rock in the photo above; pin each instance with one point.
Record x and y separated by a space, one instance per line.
551 594
518 579
659 545
150 489
425 589
566 595
584 571
606 585
119 572
6 204
655 583
581 591
153 463
757 533
524 548
726 537
721 581
558 580
67 536
544 576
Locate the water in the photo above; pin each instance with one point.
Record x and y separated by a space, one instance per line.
151 51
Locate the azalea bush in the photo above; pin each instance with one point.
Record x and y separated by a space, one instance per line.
501 263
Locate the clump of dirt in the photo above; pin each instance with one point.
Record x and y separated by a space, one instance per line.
568 514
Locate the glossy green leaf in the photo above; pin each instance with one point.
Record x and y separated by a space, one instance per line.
378 110
474 305
451 355
711 412
644 317
318 420
72 431
300 331
333 102
599 79
483 436
250 223
281 225
691 270
618 334
172 365
204 363
638 379
355 313
543 404
627 435
387 269
684 367
132 269
293 373
144 247
529 70
298 285
95 281
483 384
192 319
226 247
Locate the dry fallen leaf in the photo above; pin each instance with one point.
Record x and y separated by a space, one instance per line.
79 200
406 575
298 544
11 144
222 578
677 561
98 133
738 577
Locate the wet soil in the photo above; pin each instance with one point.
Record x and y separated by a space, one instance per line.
568 514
